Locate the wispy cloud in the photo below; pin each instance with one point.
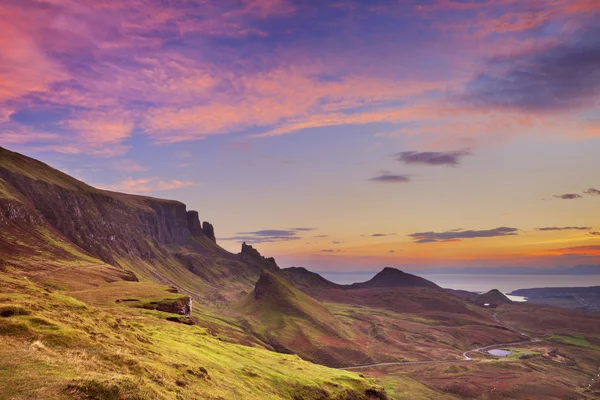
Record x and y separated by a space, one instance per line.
436 158
390 178
568 196
269 235
147 185
564 228
592 250
592 192
382 234
458 234
128 166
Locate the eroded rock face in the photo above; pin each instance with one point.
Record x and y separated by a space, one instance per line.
250 254
194 223
104 224
182 306
209 231
14 211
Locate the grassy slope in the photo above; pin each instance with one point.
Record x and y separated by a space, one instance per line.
54 346
36 170
291 321
363 334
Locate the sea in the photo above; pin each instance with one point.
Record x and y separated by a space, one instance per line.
482 283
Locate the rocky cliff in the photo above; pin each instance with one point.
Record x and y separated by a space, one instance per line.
104 224
159 239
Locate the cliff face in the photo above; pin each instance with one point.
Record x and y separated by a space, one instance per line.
157 239
104 224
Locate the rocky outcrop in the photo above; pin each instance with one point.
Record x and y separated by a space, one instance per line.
249 253
181 306
194 223
209 231
13 211
197 229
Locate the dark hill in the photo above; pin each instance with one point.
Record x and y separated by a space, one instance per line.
392 277
494 296
304 279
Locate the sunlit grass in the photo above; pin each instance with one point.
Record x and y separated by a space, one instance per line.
54 346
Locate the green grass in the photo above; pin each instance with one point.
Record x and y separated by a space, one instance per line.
401 386
521 354
36 170
6 192
64 348
578 341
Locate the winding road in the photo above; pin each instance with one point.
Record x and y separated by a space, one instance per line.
465 354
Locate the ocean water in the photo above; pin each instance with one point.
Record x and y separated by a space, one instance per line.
483 283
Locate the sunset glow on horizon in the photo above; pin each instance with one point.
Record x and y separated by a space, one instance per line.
339 135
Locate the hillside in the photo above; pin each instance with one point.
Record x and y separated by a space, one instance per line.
392 277
304 279
48 214
371 325
292 322
53 346
494 296
85 312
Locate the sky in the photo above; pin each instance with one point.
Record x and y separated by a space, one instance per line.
335 135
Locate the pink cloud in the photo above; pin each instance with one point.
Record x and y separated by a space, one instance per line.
147 185
174 94
128 166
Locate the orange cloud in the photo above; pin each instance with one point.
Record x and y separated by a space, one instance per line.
589 250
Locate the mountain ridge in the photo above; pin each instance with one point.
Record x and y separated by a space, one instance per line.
155 239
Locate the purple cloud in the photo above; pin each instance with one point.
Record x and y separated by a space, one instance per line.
557 78
592 192
436 158
268 235
390 178
568 196
455 234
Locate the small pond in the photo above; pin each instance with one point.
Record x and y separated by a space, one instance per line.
500 353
